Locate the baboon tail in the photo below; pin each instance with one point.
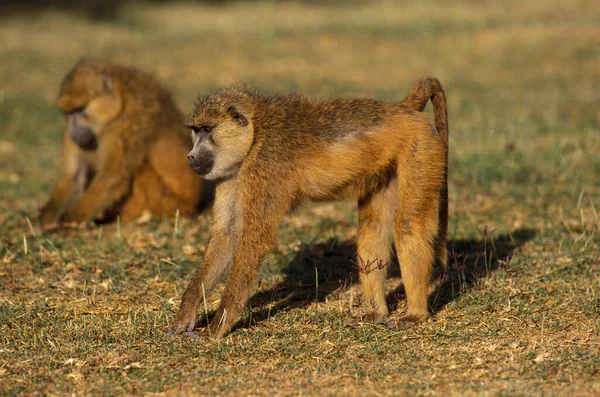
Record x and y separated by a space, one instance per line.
423 90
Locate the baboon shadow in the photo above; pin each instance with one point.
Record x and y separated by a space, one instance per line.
332 264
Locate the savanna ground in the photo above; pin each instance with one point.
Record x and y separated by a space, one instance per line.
85 312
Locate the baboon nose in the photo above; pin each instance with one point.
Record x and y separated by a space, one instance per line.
190 158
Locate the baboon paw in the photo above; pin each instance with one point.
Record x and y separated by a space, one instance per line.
385 320
181 327
204 334
176 330
409 321
47 220
193 334
377 318
197 334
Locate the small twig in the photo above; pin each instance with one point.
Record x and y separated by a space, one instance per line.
169 262
206 310
351 302
580 198
317 285
33 233
593 209
176 227
79 255
221 321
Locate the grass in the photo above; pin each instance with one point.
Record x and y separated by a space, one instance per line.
517 312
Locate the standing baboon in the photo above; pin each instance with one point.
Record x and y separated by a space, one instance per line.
124 149
270 153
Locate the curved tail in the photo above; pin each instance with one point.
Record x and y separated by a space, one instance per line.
423 90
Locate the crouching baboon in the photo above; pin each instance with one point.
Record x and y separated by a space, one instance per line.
270 153
124 149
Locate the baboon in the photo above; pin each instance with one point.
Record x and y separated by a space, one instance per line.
271 152
124 149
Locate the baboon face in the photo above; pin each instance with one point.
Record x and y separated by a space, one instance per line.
89 101
222 132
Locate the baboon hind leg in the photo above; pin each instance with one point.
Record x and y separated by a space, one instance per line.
442 237
376 227
415 232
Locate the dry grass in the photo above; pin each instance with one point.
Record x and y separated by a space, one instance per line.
518 312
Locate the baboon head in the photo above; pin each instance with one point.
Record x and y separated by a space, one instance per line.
89 101
222 131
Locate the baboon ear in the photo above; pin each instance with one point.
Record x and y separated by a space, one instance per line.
237 115
107 83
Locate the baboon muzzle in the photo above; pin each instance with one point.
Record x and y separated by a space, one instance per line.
201 161
83 136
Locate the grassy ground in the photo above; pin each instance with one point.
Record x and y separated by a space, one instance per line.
518 312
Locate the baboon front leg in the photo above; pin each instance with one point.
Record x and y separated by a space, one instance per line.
261 207
219 255
376 222
106 189
62 196
254 243
217 259
111 182
69 186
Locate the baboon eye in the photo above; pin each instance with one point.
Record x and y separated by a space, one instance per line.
203 129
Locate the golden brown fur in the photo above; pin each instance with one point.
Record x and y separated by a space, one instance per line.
270 153
424 89
124 149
